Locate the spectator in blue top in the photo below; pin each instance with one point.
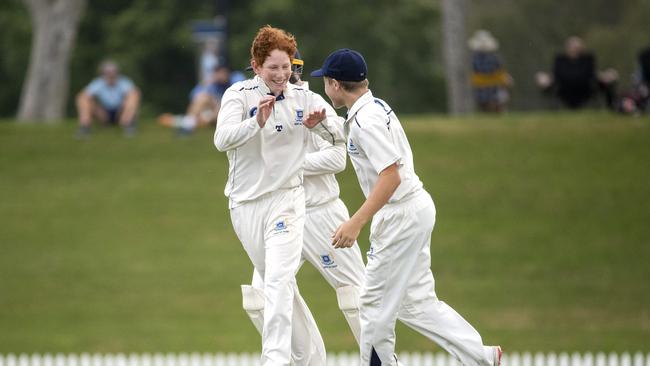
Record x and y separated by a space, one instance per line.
111 98
205 101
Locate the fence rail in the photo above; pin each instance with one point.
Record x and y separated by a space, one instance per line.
333 359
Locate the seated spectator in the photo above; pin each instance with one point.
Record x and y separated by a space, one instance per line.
575 80
111 98
489 78
205 101
636 100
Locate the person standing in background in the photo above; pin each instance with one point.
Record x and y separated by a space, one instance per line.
575 79
489 78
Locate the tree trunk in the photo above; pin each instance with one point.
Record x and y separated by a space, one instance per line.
45 90
459 93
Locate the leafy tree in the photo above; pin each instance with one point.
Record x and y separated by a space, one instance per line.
14 54
399 39
150 40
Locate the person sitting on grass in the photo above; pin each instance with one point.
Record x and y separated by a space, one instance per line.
205 101
111 98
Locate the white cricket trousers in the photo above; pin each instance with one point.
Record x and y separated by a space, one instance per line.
339 267
399 282
271 230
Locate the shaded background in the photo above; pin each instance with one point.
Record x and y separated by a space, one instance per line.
152 42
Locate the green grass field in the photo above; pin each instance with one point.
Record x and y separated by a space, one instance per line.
542 238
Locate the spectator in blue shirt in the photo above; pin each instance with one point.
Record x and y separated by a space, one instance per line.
110 98
205 101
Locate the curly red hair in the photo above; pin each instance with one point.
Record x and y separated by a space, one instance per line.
269 39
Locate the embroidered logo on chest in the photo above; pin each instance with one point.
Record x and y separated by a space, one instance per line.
352 149
300 114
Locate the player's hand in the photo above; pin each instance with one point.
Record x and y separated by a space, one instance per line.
264 109
314 118
346 235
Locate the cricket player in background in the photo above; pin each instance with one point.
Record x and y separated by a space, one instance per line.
398 274
342 269
263 125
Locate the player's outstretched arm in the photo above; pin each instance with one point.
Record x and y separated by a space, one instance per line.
324 121
329 159
388 181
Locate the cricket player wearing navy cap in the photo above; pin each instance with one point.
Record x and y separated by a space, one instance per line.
263 125
399 282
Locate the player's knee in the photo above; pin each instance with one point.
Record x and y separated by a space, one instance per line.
348 298
252 298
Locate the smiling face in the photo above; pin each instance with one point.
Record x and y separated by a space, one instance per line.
275 71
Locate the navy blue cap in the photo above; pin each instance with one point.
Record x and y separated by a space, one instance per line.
344 65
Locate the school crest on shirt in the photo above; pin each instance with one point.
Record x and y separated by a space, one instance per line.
278 128
328 261
300 115
352 149
252 112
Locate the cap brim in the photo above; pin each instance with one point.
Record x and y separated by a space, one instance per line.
317 73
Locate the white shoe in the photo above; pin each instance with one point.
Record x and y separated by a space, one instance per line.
497 352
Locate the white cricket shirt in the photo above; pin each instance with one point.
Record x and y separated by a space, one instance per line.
323 160
263 160
376 140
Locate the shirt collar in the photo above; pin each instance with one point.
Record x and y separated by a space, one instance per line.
363 100
264 89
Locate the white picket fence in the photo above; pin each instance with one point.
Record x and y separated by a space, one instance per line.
334 359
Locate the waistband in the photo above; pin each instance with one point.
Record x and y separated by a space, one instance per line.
321 205
269 195
412 201
418 193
